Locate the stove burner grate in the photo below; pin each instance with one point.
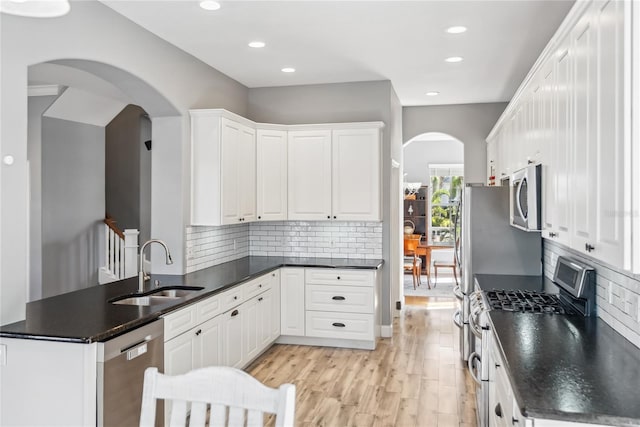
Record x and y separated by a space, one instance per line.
525 302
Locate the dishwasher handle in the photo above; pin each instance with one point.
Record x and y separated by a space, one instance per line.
137 351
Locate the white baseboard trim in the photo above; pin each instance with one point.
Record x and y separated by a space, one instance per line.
386 331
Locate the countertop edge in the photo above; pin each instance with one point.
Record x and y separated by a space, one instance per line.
128 326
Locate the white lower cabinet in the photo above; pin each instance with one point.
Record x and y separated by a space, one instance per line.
292 299
232 337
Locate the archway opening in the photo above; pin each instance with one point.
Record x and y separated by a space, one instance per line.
89 157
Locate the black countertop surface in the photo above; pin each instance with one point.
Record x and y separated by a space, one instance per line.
562 367
86 316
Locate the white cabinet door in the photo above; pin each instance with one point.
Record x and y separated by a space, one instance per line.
275 305
309 175
251 328
265 319
292 301
180 354
271 148
246 174
210 343
232 335
563 144
612 163
549 174
356 174
229 193
583 39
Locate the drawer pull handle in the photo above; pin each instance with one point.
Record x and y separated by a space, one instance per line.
498 410
339 325
260 299
199 331
338 298
234 313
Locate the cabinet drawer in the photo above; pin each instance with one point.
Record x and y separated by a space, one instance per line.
208 308
326 324
348 299
179 321
332 276
256 286
231 298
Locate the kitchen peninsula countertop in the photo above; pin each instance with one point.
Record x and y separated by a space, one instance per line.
566 367
87 316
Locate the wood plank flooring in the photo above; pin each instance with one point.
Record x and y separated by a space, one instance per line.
415 378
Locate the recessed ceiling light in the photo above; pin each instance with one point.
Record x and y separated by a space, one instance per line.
432 93
454 59
456 29
257 44
288 70
35 9
209 5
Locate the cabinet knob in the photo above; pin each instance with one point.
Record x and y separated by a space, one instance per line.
260 285
328 216
234 313
199 331
260 299
339 325
235 297
588 247
259 217
338 277
334 217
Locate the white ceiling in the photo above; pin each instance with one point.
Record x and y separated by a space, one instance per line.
345 41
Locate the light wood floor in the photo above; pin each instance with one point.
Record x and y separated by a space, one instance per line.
415 378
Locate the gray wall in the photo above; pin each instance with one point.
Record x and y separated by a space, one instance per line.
128 168
335 103
162 79
37 106
469 123
418 155
72 205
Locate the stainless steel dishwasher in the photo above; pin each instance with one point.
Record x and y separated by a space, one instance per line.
121 365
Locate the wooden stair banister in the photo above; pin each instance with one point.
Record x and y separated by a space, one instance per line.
120 252
111 223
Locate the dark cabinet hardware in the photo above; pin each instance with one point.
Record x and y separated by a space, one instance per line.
338 298
334 217
588 247
339 325
328 216
498 410
259 217
260 299
514 421
552 234
199 331
260 285
236 297
497 365
234 313
338 277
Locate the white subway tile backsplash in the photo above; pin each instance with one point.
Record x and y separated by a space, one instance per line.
623 312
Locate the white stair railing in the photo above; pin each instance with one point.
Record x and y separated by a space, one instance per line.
120 253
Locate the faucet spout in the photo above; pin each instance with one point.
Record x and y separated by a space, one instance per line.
142 275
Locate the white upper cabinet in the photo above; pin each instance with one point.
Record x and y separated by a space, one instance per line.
310 175
334 174
580 117
271 148
223 168
356 174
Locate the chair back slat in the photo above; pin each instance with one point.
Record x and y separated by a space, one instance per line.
217 415
255 418
178 413
198 416
236 416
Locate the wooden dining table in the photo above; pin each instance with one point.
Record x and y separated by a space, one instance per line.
424 250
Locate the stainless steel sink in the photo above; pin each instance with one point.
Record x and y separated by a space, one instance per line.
157 296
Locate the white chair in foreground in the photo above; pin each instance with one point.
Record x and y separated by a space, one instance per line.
246 398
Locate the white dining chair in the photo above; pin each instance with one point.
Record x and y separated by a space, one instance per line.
233 398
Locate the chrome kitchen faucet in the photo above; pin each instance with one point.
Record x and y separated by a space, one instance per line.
142 275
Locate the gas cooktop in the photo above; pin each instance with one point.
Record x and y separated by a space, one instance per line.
526 302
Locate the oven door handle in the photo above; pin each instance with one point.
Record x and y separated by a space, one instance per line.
456 319
458 293
474 326
472 357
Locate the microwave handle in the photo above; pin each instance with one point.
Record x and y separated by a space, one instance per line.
517 200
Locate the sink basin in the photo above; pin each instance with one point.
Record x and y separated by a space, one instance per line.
157 296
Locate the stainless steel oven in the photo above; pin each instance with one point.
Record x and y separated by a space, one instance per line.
525 198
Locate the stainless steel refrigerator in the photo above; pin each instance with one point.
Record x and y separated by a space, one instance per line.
490 245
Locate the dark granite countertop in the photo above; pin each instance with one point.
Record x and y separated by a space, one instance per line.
569 368
86 316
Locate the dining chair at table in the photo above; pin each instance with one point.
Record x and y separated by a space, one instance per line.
231 396
412 262
446 264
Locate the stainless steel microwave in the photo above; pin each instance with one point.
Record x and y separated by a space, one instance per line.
525 198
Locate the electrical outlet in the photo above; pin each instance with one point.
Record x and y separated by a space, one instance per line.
610 292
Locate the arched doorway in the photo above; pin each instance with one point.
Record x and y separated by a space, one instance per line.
432 173
85 107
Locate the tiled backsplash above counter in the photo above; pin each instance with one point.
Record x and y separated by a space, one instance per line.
621 288
209 246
